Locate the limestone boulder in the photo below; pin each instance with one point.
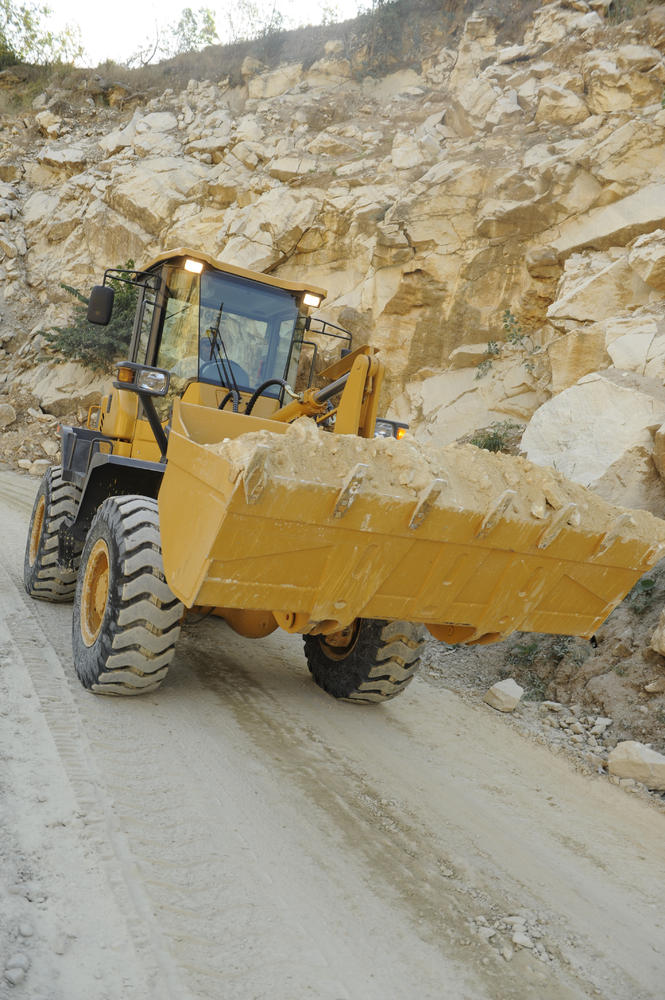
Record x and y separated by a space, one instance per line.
631 759
328 72
657 641
636 342
269 229
406 151
64 388
213 144
602 427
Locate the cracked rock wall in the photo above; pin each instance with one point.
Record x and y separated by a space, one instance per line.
481 178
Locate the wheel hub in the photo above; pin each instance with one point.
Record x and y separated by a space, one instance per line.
94 592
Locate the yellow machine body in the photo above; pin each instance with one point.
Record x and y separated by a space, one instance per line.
272 527
296 516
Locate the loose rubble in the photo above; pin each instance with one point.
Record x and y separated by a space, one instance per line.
507 934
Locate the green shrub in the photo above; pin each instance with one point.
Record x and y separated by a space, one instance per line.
97 347
523 654
501 435
642 595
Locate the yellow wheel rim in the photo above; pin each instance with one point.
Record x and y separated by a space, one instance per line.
338 645
37 528
94 592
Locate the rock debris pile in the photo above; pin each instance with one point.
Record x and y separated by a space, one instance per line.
512 932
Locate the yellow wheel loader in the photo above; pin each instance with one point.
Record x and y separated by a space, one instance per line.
225 472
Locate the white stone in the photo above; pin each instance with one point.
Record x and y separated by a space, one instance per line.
631 759
587 428
504 695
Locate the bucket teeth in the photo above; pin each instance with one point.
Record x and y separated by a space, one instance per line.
427 500
256 474
496 512
349 490
558 521
610 537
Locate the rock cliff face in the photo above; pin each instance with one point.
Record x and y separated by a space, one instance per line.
526 177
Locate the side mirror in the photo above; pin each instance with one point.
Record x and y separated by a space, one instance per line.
100 305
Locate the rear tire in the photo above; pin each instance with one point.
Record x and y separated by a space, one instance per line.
126 618
56 502
372 661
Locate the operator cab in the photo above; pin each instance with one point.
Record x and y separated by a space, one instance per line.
209 322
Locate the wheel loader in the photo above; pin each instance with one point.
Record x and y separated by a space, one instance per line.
228 472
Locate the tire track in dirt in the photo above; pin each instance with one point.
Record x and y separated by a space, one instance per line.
266 841
60 712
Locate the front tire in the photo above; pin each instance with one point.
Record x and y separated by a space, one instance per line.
56 502
371 661
126 618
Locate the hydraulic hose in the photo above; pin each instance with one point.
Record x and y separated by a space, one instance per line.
257 392
235 396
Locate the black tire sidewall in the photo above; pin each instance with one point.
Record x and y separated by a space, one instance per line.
30 572
342 677
90 661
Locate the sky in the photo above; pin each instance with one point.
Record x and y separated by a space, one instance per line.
117 30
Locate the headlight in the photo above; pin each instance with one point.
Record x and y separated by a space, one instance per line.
390 429
154 382
139 378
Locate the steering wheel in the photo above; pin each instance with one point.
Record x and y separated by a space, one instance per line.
210 370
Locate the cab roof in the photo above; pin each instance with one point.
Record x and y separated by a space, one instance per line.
264 279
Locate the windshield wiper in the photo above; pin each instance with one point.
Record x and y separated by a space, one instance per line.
222 361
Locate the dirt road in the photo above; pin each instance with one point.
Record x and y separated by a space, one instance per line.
241 835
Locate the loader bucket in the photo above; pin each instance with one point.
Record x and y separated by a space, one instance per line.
323 528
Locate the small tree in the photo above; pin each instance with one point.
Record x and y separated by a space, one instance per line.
191 32
24 36
97 347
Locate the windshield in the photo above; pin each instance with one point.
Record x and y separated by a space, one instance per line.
227 329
